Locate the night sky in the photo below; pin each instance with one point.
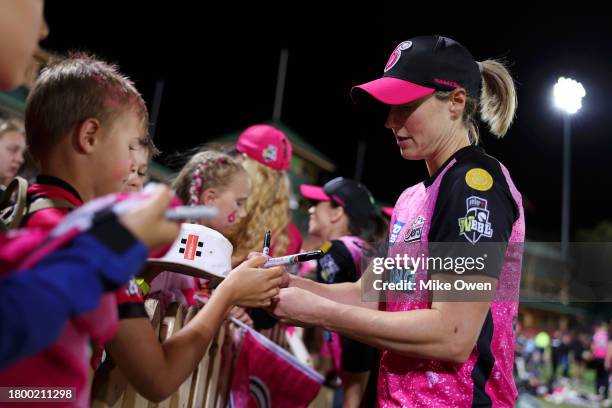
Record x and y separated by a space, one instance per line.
220 74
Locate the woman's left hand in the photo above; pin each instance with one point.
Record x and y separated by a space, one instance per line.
297 307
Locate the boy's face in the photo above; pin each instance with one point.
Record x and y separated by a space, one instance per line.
12 148
112 159
22 26
138 172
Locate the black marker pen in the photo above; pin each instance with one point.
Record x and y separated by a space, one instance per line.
293 259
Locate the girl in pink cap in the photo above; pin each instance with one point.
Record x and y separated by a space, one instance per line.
266 154
442 345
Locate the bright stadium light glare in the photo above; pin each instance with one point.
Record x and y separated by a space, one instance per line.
568 95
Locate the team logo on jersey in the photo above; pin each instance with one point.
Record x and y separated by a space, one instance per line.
269 153
476 223
329 268
479 179
192 247
396 54
415 231
397 228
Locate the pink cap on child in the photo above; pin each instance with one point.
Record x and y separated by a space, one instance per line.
267 145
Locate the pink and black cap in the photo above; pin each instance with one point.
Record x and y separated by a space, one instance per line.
354 197
421 66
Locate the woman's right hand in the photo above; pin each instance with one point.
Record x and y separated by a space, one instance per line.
248 285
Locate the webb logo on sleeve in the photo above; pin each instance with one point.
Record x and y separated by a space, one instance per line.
475 224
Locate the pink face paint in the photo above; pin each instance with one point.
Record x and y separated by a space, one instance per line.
232 217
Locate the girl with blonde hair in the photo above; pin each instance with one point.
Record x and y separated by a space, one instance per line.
267 157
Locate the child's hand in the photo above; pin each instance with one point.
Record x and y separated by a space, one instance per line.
285 278
251 286
252 255
147 220
241 314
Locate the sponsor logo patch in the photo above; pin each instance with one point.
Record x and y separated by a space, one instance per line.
479 179
192 248
397 228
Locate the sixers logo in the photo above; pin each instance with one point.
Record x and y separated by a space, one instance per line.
269 154
396 54
415 232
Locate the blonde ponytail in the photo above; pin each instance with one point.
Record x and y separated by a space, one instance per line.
498 97
497 102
